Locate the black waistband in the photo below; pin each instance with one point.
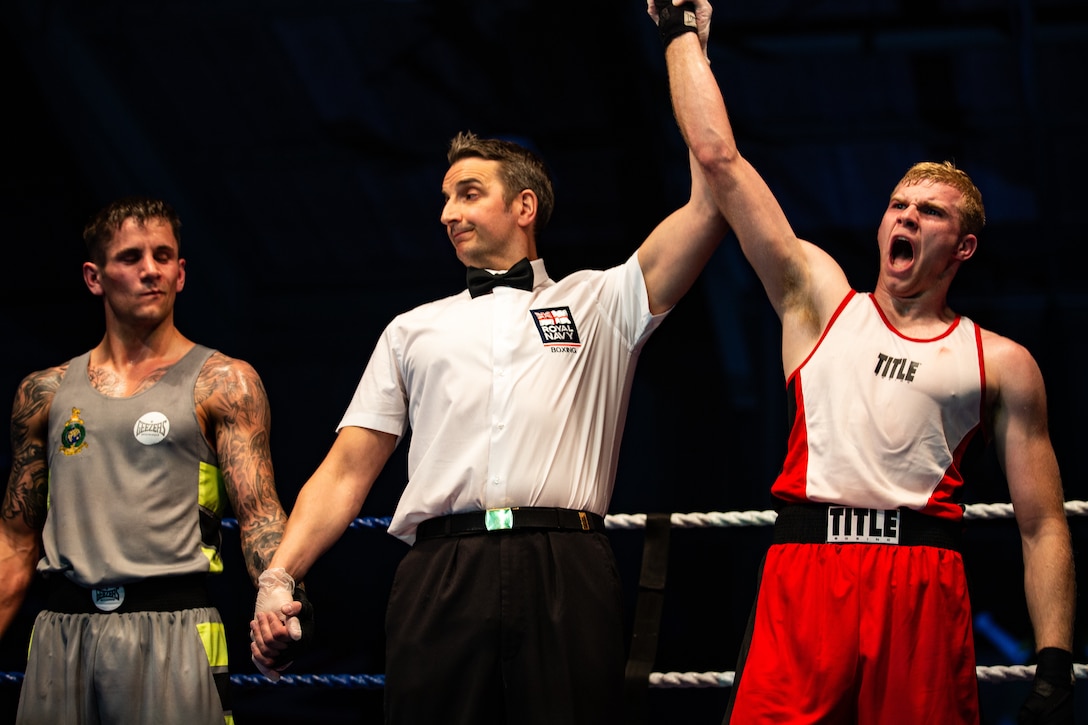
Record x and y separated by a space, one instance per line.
157 594
824 523
522 517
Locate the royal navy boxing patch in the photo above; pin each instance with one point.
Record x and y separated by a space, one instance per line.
73 439
556 327
864 526
151 428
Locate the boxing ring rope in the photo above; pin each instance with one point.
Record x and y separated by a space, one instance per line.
658 680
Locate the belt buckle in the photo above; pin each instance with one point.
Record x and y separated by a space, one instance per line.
107 599
499 519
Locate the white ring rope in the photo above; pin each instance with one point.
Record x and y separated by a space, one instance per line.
977 511
665 680
999 673
981 511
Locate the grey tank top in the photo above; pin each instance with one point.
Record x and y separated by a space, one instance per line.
134 488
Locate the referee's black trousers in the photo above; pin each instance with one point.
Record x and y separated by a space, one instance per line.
506 628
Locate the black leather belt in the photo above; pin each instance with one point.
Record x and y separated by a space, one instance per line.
504 519
157 594
833 524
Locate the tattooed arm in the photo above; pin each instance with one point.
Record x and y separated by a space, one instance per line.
236 417
22 514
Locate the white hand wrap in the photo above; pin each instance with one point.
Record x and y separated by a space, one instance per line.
275 588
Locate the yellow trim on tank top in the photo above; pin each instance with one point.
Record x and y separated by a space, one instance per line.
213 490
212 495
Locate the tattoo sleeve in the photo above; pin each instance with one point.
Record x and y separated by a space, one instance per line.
239 421
25 499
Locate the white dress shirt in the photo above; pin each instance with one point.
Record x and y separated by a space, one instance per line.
513 398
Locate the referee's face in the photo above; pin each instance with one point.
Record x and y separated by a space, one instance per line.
486 232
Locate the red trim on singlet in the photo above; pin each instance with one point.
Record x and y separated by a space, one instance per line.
793 489
941 501
981 373
797 444
955 323
827 328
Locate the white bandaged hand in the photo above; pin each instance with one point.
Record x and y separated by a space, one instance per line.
275 589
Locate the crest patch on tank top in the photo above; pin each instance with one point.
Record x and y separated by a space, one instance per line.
151 428
73 438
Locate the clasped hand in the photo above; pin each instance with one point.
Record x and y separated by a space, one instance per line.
277 631
272 634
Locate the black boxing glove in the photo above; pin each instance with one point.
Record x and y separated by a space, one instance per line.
674 20
1051 699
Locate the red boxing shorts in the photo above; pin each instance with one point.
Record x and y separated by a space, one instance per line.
859 632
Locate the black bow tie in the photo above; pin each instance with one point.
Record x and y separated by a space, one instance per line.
480 281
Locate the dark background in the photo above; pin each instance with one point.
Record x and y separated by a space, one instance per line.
303 144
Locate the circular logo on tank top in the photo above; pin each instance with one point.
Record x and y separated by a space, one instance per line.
151 428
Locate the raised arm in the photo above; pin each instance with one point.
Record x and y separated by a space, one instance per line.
23 511
679 247
234 404
803 283
675 253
